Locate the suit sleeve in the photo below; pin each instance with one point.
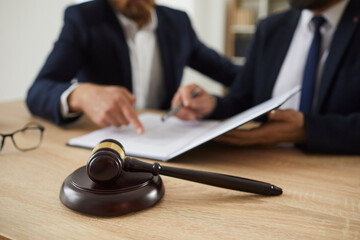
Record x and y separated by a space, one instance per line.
61 66
333 133
209 62
240 96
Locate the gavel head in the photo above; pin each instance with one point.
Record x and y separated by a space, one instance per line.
106 162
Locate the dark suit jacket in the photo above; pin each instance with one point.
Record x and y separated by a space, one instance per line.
92 48
336 125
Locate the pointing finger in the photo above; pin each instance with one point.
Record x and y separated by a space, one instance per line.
131 116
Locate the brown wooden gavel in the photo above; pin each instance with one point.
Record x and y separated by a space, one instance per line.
108 160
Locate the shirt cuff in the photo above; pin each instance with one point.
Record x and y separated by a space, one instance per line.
64 107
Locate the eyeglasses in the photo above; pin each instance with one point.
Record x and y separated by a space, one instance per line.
27 138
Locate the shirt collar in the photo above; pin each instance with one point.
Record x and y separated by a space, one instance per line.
332 15
128 23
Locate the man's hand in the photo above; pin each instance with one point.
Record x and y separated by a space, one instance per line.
105 105
200 106
284 126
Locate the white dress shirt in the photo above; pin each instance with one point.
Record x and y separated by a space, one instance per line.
146 68
292 69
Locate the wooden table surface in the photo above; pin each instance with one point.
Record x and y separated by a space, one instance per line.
321 198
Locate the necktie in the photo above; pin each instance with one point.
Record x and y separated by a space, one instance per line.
310 72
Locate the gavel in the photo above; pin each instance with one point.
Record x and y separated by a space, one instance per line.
108 161
112 184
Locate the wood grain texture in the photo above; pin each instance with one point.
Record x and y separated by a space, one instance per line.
321 198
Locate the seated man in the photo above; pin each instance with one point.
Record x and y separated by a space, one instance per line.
121 52
315 44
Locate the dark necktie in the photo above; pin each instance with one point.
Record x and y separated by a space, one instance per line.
310 72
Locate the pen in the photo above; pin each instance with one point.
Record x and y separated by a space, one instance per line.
171 112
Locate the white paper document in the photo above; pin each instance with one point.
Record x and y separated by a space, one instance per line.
166 140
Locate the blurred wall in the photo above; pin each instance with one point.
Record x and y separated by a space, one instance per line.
28 30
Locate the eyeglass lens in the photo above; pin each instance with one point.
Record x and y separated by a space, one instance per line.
28 138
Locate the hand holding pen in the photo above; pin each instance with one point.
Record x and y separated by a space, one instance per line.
174 110
190 103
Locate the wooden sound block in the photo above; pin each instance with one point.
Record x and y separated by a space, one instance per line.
133 191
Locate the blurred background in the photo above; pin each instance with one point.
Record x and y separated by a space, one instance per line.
28 30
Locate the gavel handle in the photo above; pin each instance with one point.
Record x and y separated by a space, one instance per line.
213 179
